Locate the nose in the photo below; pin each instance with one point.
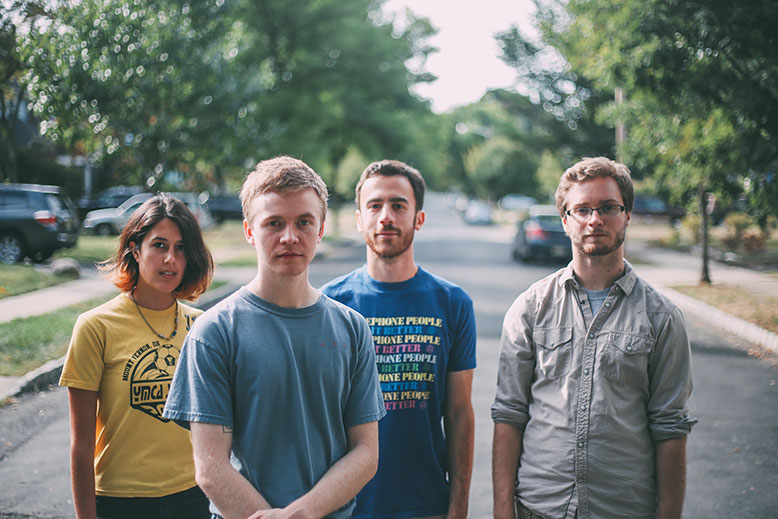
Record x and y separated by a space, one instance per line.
289 235
595 218
170 256
385 216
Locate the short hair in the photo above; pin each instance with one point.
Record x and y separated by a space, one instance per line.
595 167
281 175
122 268
390 168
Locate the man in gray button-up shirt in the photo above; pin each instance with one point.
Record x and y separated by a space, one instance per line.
590 413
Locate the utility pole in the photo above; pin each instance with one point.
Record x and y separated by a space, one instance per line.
621 132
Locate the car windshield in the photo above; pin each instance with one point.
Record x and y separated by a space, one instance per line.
549 220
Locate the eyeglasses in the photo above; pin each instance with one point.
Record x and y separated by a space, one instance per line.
584 213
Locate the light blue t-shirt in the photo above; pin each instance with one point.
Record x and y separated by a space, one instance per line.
423 329
289 381
597 298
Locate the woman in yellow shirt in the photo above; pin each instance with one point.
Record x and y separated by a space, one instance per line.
127 461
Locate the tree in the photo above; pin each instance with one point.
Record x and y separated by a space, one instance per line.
701 90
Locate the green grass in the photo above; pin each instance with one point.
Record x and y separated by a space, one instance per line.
20 279
90 249
755 308
29 342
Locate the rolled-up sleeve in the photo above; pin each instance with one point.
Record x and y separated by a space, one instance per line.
670 379
516 366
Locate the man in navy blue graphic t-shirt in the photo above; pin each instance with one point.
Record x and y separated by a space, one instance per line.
424 337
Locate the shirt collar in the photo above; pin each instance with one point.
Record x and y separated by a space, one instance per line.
626 282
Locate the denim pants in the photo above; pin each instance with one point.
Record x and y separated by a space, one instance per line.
188 504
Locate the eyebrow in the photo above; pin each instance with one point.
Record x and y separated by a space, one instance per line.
601 202
393 199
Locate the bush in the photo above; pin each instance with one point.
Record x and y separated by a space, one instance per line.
693 223
754 241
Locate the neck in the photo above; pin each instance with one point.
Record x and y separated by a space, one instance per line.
598 272
151 299
391 270
288 292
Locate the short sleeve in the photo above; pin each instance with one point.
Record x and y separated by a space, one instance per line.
365 401
463 354
84 365
200 391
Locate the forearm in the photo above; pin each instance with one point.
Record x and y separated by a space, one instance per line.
506 451
338 485
459 440
82 481
670 458
229 491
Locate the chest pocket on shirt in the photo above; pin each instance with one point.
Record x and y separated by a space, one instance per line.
625 356
553 350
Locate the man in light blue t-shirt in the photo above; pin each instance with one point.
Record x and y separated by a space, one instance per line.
278 375
424 337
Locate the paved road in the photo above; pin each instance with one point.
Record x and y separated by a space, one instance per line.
733 468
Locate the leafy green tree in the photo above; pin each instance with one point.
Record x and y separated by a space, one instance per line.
700 82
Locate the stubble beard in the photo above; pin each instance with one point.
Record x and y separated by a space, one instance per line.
390 251
604 249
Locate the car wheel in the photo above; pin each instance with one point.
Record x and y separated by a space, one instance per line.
42 255
104 229
11 248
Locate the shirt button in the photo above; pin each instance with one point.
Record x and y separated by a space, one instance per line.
579 480
583 407
591 336
580 444
586 371
629 348
607 305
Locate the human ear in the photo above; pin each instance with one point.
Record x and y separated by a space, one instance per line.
358 216
248 232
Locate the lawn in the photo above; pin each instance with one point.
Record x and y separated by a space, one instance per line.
21 278
757 309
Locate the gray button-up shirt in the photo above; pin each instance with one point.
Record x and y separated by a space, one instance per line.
592 394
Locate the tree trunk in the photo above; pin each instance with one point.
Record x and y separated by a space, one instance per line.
705 274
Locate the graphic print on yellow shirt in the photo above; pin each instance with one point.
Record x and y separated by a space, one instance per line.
150 372
137 452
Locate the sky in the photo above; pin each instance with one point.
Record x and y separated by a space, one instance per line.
468 62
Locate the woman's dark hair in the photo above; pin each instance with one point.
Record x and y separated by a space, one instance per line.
122 268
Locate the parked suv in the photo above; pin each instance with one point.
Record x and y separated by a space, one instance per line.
35 221
111 197
650 209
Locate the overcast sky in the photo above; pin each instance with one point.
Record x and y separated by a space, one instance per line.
468 62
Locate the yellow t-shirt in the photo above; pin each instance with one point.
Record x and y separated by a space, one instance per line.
112 351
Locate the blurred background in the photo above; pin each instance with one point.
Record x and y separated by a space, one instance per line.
112 98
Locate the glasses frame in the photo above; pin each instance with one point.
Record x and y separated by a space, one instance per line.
580 218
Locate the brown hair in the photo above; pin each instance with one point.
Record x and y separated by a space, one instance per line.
390 168
122 268
595 167
282 175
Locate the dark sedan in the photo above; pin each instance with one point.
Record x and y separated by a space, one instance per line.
540 236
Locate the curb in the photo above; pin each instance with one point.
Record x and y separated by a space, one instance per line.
48 374
712 315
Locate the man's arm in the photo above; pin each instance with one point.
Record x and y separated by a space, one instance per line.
670 459
342 481
233 495
459 423
506 451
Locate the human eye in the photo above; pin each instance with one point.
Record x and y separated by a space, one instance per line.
180 247
398 206
582 211
158 245
374 205
610 209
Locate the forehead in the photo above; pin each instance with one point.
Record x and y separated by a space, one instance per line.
291 204
594 191
386 187
165 228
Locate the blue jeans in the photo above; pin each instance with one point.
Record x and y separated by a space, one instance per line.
188 504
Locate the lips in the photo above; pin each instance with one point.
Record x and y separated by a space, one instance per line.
168 274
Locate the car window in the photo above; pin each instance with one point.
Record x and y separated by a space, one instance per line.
54 203
13 200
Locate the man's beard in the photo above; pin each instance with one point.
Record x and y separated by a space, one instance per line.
390 251
593 249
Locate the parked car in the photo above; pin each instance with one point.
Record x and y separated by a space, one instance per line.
516 202
540 235
35 221
651 209
111 197
478 212
224 207
105 222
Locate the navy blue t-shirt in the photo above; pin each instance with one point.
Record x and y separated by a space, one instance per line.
422 329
